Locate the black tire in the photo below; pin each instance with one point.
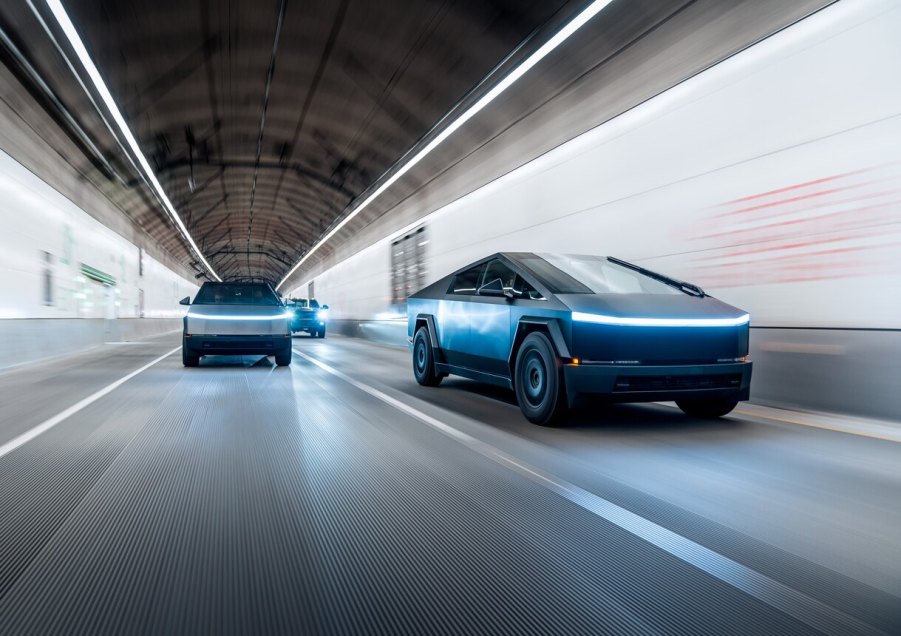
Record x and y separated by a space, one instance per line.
320 333
283 359
538 381
424 360
187 359
710 408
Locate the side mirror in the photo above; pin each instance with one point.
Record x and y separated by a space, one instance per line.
324 307
185 301
492 288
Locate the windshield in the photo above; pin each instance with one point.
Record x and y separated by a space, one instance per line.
236 294
299 303
582 274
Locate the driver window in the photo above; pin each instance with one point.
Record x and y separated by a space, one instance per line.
466 283
496 269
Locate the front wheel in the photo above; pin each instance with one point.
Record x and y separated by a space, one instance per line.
283 359
709 408
188 359
424 360
320 333
538 381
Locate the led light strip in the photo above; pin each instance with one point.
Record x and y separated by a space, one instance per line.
601 319
561 36
244 317
78 46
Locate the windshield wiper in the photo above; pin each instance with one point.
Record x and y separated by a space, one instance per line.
688 288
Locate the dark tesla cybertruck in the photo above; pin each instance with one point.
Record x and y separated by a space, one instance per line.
236 319
552 326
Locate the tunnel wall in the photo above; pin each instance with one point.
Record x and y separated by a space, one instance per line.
67 282
773 180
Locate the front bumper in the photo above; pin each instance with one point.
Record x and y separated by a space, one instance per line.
647 383
268 345
306 325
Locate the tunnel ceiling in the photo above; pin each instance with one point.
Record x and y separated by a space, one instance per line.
264 121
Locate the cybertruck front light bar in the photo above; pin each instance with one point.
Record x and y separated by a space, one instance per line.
601 319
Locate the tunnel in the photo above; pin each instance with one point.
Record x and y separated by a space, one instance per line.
450 317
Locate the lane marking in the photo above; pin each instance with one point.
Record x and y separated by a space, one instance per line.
796 604
46 425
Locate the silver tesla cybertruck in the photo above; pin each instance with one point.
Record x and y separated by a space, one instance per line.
236 319
552 326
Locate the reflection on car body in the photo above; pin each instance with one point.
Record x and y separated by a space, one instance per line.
236 319
552 326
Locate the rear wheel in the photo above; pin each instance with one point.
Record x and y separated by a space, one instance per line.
707 408
538 380
424 360
187 358
283 358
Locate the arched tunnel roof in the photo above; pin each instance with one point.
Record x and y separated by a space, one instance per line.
264 121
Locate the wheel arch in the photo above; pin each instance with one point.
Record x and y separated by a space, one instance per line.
527 325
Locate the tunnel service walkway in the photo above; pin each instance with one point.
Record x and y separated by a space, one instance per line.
332 496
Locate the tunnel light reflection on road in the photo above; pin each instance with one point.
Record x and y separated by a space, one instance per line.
524 67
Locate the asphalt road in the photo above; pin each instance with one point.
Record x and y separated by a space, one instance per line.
337 495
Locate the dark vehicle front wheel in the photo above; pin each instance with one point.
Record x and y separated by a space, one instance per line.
320 333
707 408
538 381
187 359
424 360
283 359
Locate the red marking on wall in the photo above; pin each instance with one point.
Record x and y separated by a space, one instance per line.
818 233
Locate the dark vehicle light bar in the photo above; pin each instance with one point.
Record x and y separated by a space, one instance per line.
628 321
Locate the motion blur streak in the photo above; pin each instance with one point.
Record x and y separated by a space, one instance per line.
59 12
561 36
804 608
29 435
772 180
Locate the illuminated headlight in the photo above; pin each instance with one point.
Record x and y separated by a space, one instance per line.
237 317
629 321
322 314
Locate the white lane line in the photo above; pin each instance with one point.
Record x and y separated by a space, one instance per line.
46 425
796 604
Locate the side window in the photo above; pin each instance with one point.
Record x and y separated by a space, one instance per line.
523 289
497 270
466 283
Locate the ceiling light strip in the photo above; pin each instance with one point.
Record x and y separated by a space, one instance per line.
68 28
561 36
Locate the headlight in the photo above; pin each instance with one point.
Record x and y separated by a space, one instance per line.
322 314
